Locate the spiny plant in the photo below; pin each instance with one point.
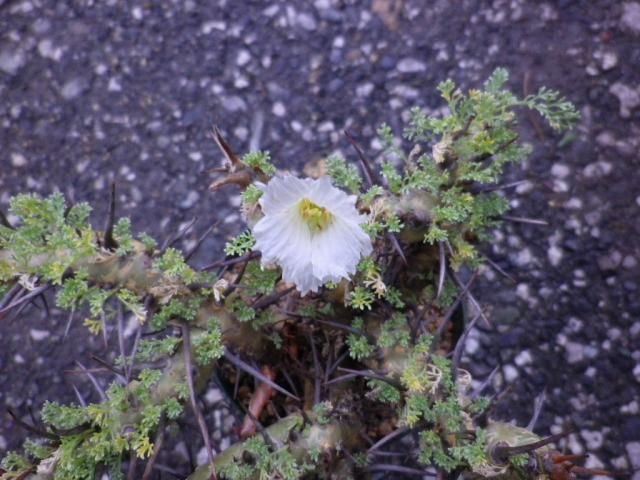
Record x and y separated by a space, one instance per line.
342 316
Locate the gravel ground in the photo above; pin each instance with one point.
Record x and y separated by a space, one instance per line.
94 91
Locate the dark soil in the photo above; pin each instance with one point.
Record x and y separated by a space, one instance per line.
94 91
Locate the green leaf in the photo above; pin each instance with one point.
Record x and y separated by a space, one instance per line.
345 176
240 245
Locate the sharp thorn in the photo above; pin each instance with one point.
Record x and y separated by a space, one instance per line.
396 246
79 396
66 330
109 242
531 221
443 269
4 221
366 166
224 147
537 408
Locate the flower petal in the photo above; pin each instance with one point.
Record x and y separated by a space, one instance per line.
309 258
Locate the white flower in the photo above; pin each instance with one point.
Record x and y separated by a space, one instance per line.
311 229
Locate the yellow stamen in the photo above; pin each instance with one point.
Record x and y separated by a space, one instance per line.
316 217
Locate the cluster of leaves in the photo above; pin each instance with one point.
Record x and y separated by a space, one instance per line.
262 461
469 147
49 231
260 162
240 245
432 398
100 434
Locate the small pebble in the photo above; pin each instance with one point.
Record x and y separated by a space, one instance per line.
411 65
38 335
18 160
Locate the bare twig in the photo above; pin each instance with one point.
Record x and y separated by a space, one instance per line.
157 445
204 431
289 380
25 298
341 326
230 261
8 297
120 328
338 361
268 300
470 296
317 377
236 361
502 452
445 320
132 355
342 378
172 240
391 467
202 238
398 433
499 269
237 280
487 381
457 352
31 428
133 463
259 400
374 375
96 385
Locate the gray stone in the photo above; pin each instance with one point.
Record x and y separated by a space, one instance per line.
630 20
633 451
523 358
593 439
560 170
213 396
411 65
233 103
574 352
597 169
606 139
629 262
74 88
38 335
192 198
47 50
611 261
555 254
628 97
510 373
278 109
18 160
306 21
11 60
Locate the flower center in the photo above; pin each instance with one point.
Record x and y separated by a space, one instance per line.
316 217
